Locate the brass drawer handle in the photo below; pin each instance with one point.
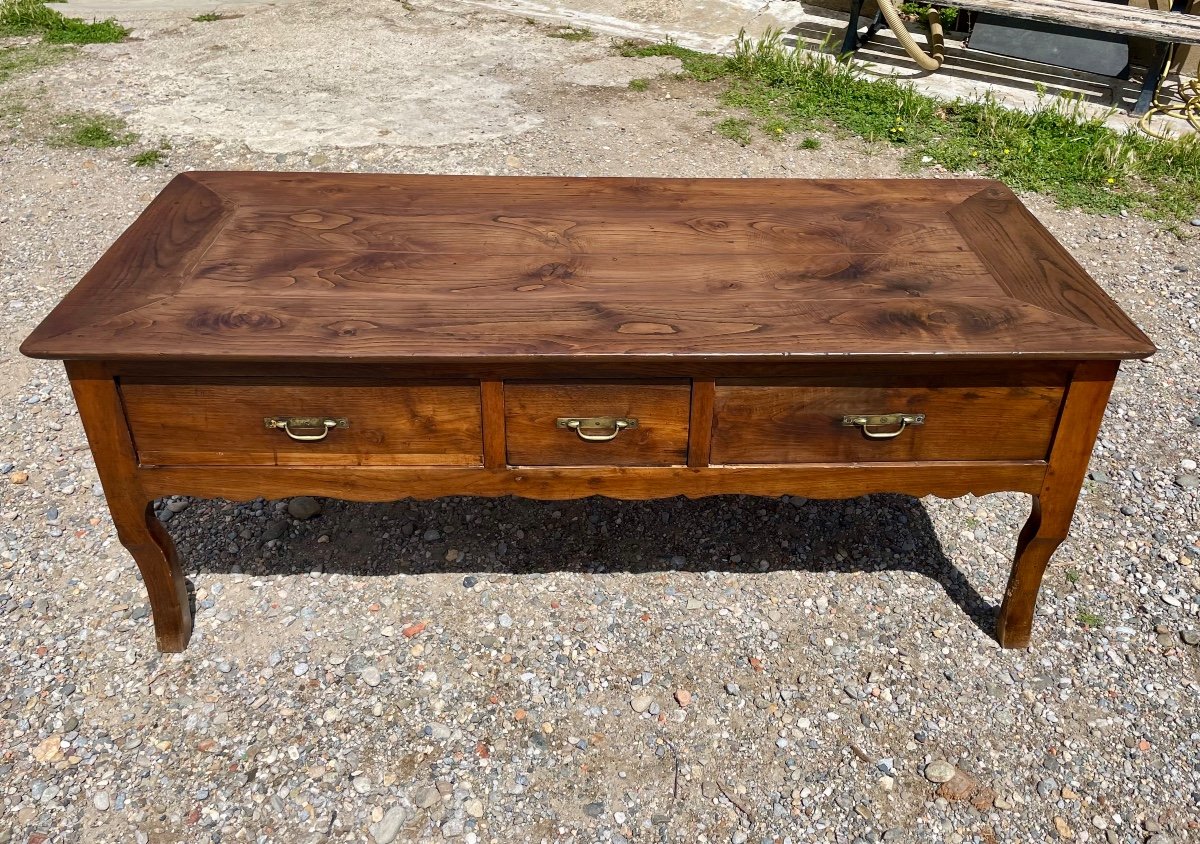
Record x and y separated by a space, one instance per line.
292 425
867 421
596 429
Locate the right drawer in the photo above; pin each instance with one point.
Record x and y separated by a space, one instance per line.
774 422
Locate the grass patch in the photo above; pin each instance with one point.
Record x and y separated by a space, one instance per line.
93 131
697 65
948 14
735 129
810 143
639 84
1057 149
32 17
148 158
208 17
1088 618
572 33
15 61
1073 576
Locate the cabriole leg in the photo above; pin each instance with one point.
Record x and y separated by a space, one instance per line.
137 528
1050 518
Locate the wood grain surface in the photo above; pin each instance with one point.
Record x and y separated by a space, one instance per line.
767 423
660 438
427 270
1156 24
206 424
373 483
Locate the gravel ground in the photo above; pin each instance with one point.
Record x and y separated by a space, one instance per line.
729 669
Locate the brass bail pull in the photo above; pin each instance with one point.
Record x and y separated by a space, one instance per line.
868 421
596 429
297 427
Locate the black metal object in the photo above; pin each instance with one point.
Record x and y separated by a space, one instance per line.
1154 71
1105 53
853 40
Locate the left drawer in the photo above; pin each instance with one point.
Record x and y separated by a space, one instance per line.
225 423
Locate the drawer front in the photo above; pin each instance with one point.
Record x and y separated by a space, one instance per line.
763 423
176 423
535 438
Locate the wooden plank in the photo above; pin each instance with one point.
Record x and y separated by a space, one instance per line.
701 423
1034 267
264 329
491 392
406 194
365 483
1155 24
346 273
634 231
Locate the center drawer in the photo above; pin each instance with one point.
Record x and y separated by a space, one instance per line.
578 423
339 423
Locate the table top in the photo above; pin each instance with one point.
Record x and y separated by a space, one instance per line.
290 267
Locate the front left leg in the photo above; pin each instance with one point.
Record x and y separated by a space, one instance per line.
138 529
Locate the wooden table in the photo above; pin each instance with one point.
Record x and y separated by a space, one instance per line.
376 337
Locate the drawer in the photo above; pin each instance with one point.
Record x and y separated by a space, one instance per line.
532 411
222 423
804 423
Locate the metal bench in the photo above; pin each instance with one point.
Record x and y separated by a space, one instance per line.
1164 28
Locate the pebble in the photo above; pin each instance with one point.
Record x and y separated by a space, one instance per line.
939 771
474 808
426 797
303 507
387 828
732 688
101 801
641 703
370 675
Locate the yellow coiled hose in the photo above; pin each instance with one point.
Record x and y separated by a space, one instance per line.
1188 109
937 49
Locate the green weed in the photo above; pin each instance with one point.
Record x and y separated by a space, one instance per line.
735 129
1088 618
1058 148
572 33
810 143
948 14
696 65
148 158
639 84
32 17
94 131
208 17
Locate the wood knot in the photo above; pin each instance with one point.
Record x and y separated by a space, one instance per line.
646 328
349 327
235 320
